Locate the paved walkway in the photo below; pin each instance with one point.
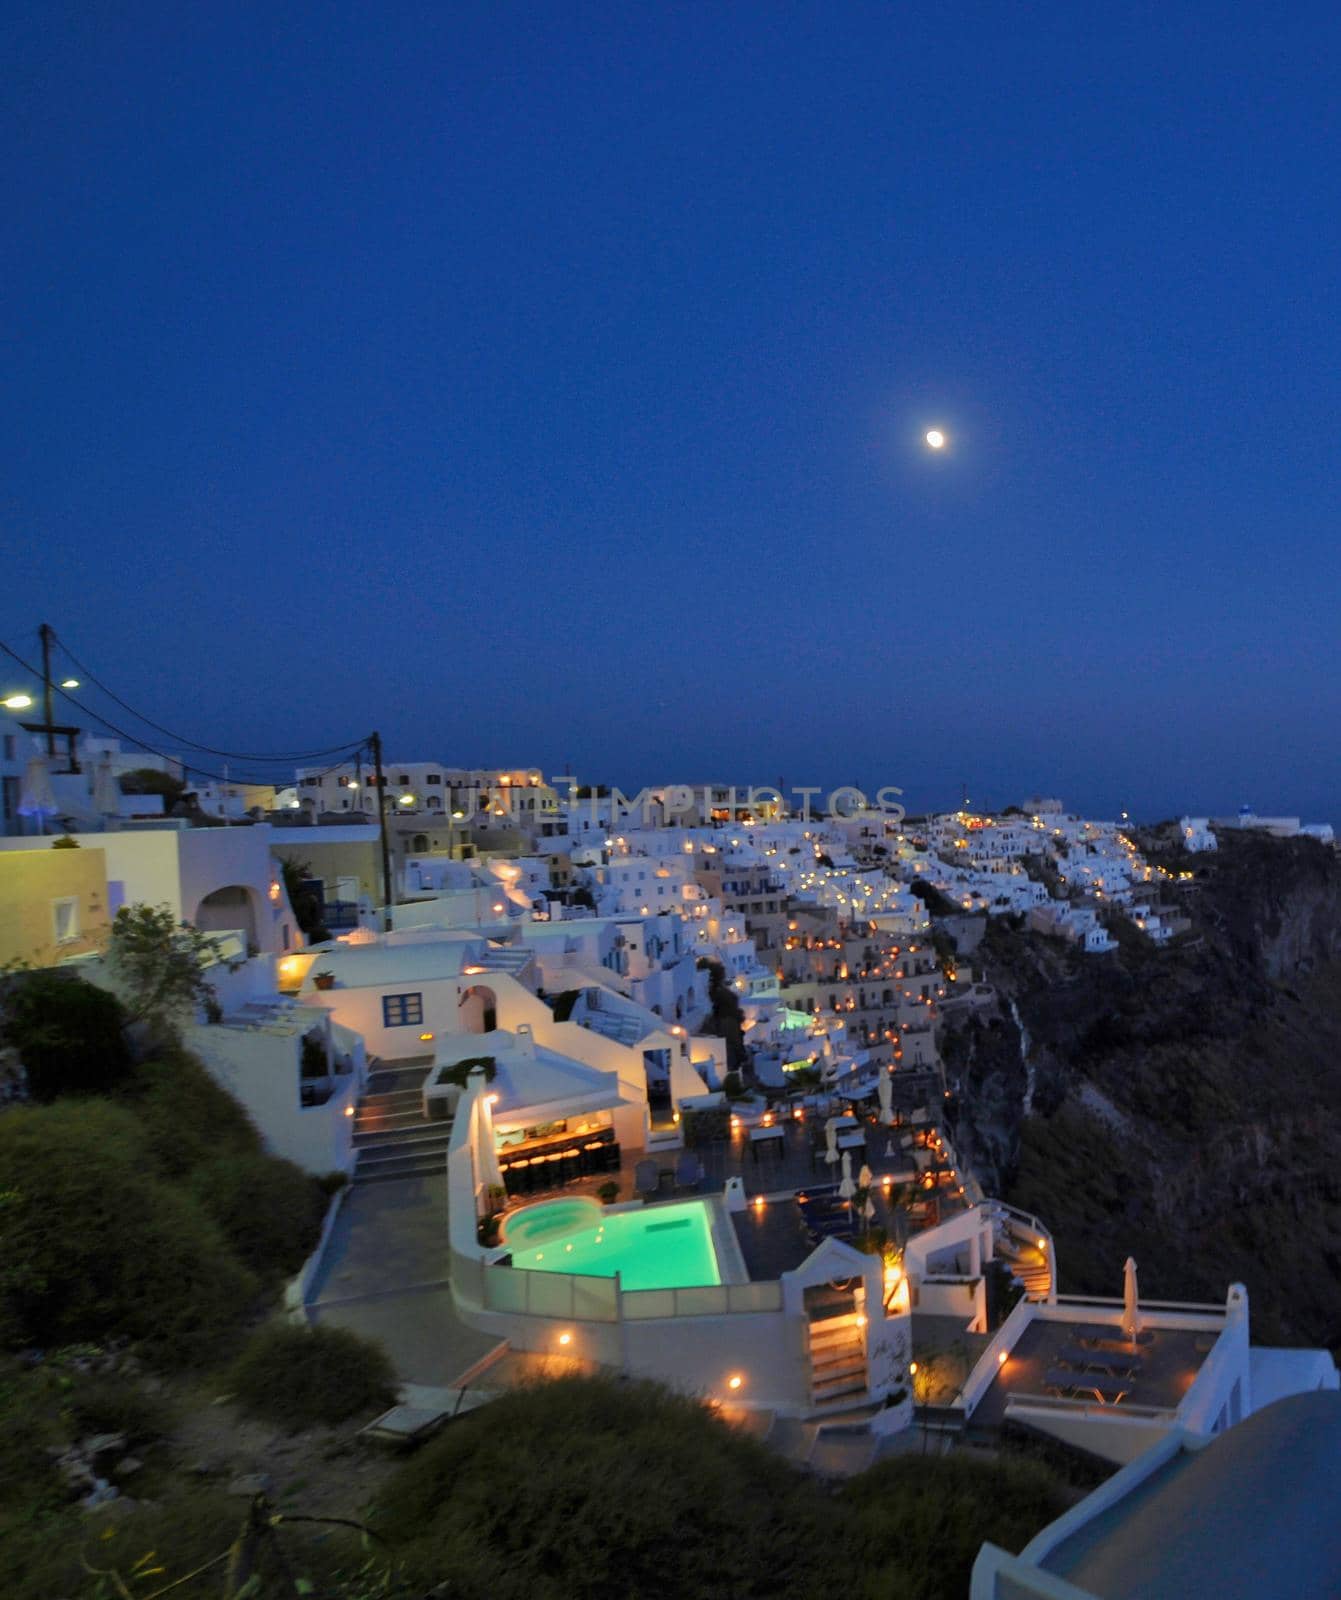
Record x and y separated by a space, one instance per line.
385 1277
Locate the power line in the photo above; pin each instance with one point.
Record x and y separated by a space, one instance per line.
345 751
181 739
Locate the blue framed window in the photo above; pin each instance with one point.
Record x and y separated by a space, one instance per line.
403 1010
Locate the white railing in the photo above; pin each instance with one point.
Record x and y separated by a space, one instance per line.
578 1297
551 1294
716 1301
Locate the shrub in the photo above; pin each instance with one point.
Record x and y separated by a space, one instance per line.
460 1072
925 1519
268 1210
69 1034
185 1116
27 1430
300 1377
598 1487
109 1403
95 1246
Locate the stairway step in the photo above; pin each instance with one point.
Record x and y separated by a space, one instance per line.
401 1166
398 1138
826 1354
387 1148
833 1371
393 1099
826 1393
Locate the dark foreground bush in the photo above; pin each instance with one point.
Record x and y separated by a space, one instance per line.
301 1377
597 1487
186 1116
921 1521
268 1210
94 1246
69 1034
592 1487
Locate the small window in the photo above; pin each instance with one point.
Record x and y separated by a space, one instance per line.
403 1010
65 919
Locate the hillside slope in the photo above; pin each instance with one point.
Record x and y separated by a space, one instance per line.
1181 1105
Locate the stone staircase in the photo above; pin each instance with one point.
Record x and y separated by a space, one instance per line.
1030 1261
392 1136
838 1377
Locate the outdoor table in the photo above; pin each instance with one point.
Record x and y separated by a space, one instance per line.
852 1139
763 1137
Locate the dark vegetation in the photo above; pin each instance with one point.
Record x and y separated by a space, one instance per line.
1187 1105
628 1489
725 1020
307 905
303 1377
938 904
137 1203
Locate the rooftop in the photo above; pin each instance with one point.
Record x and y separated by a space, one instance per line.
1252 1513
1170 1359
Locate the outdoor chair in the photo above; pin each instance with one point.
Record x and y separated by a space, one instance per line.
647 1178
688 1171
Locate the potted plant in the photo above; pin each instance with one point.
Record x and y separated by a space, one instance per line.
498 1196
608 1192
324 979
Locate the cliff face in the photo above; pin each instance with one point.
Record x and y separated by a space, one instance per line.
1182 1105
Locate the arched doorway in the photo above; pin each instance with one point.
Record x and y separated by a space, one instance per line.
477 1009
230 909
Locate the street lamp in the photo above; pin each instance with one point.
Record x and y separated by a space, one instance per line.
17 702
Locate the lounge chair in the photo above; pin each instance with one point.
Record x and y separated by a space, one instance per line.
1077 1385
647 1178
688 1171
1117 1363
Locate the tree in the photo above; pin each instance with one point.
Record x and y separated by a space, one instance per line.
306 903
69 1034
159 964
149 780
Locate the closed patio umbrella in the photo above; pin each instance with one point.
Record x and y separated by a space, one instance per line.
885 1089
865 1178
1131 1315
36 796
847 1188
831 1141
106 789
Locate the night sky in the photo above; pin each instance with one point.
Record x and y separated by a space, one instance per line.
547 385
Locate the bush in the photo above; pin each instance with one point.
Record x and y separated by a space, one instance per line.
301 1377
27 1430
109 1403
186 1118
925 1519
599 1487
69 1034
95 1247
268 1210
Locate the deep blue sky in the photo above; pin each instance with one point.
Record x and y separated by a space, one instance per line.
546 383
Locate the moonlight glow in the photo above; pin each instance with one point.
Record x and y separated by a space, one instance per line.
935 438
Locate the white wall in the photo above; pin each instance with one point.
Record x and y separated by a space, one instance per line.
261 1070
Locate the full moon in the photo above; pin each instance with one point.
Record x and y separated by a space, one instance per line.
935 438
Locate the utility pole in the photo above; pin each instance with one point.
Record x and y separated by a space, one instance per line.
47 635
375 745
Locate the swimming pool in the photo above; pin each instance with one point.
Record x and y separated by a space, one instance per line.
653 1247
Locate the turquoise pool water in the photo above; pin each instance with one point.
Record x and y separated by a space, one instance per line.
654 1247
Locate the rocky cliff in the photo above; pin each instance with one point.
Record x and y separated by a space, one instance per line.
1183 1104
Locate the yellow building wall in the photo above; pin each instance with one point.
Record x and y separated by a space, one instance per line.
31 882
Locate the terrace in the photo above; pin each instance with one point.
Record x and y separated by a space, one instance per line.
1154 1374
914 1186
